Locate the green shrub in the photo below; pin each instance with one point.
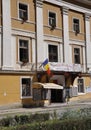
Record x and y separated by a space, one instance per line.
23 119
71 124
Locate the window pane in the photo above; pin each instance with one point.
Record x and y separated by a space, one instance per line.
26 87
76 25
23 11
52 19
23 50
77 55
53 53
80 85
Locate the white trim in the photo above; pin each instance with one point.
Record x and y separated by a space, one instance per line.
22 32
69 5
52 38
58 48
81 93
21 38
19 2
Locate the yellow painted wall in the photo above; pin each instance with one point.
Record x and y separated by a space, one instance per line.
10 89
86 81
80 16
57 31
16 23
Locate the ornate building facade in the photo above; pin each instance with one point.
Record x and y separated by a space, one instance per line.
32 31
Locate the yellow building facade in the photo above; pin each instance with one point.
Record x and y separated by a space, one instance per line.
32 31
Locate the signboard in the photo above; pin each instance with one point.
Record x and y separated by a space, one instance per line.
65 67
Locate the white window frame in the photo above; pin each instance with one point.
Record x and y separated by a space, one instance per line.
54 44
75 54
81 54
81 93
19 2
73 24
25 77
49 11
28 48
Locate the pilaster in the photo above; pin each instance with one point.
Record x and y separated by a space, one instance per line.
39 3
39 31
88 40
7 48
65 34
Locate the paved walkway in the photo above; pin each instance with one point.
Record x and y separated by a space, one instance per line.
11 111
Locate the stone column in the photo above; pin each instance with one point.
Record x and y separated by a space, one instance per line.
88 42
65 35
39 31
6 47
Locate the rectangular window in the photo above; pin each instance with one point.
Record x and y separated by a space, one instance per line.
76 25
23 51
80 85
77 55
26 87
23 11
52 19
53 53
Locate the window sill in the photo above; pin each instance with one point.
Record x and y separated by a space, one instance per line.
27 97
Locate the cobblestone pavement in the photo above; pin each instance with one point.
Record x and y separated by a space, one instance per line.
59 107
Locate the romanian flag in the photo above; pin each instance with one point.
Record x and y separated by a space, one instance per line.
46 66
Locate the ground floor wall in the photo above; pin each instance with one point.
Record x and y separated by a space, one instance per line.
10 89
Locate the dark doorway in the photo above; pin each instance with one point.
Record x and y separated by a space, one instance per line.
56 95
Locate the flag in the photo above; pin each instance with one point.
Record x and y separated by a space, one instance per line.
46 66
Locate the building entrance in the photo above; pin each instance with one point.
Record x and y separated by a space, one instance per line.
56 95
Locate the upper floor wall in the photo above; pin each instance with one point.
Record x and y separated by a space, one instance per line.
76 21
23 15
52 14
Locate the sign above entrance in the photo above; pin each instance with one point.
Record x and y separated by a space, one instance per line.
65 67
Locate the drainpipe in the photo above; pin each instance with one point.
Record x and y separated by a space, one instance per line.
36 36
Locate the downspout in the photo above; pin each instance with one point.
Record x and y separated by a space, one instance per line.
85 46
36 36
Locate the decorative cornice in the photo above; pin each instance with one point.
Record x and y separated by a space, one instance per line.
65 10
87 16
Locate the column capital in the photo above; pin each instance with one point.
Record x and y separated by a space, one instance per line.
65 10
39 3
87 16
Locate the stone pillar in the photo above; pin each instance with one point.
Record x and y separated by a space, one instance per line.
88 42
65 35
6 47
39 31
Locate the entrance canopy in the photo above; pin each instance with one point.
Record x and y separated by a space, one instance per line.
49 85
